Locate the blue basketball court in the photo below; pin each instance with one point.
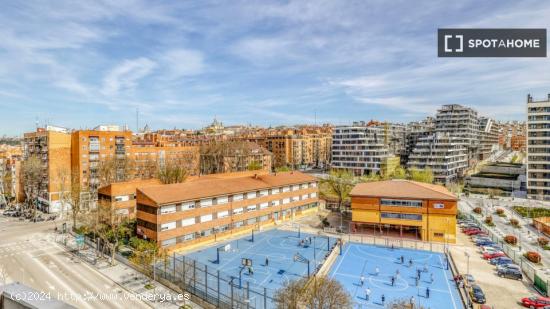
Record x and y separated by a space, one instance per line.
277 256
364 260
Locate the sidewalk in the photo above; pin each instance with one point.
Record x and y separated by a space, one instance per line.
152 293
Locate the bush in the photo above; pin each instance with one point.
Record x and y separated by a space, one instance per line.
543 241
532 256
514 222
489 220
500 211
532 212
511 239
477 210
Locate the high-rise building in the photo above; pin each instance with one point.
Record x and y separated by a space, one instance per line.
359 148
538 148
445 155
488 137
461 122
52 147
414 131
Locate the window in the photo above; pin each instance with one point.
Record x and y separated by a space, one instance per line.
251 208
168 226
169 242
295 187
400 203
391 215
188 221
295 198
206 218
439 234
286 189
251 221
206 232
238 224
305 196
237 197
206 202
312 184
275 203
264 205
167 209
223 214
264 218
303 186
189 237
275 191
250 195
188 205
221 228
264 192
313 195
222 200
286 200
237 211
122 198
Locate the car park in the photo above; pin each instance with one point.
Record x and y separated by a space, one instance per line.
501 260
508 266
535 302
510 273
477 294
489 256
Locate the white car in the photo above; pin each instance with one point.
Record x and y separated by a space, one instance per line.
508 266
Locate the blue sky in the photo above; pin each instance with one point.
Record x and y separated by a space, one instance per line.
82 63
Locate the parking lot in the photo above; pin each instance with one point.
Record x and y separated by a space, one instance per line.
500 292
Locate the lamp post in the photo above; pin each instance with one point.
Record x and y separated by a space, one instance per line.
467 263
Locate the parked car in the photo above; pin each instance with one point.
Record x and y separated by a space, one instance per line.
494 246
510 273
470 279
473 232
480 238
493 255
508 266
501 260
484 242
8 213
485 249
535 302
477 294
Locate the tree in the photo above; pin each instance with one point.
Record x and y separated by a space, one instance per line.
340 182
399 173
31 174
404 303
64 181
425 175
76 201
321 292
281 169
172 172
254 166
144 253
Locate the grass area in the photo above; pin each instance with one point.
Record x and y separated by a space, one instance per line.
530 212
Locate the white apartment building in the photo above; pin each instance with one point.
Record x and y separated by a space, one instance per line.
445 155
488 137
461 122
358 148
538 148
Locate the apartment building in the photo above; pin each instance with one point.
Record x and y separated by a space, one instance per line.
91 147
445 155
461 122
359 148
147 158
404 208
301 147
414 131
512 136
52 146
10 175
234 156
206 209
538 148
488 137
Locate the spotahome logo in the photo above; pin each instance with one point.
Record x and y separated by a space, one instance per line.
491 42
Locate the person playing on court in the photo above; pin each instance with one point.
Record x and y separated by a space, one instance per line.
402 259
432 278
266 261
377 270
250 270
427 292
416 280
397 273
426 268
383 299
410 262
392 280
362 280
367 293
412 302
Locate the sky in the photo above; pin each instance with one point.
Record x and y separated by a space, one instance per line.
78 64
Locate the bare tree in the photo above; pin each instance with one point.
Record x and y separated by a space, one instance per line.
31 174
403 303
319 293
64 182
75 197
172 172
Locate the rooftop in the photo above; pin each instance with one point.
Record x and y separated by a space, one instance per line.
223 184
399 188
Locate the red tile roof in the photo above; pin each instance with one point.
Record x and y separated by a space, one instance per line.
398 188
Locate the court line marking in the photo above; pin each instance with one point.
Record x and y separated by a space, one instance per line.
447 280
340 263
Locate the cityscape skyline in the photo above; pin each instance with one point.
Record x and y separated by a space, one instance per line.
181 65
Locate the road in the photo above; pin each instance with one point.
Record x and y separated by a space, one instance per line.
30 255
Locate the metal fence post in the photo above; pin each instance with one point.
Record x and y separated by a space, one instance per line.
247 300
206 280
265 298
174 266
218 288
195 276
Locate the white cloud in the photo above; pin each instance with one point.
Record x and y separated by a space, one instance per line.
126 75
182 62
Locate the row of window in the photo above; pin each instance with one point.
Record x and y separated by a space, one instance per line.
225 213
234 198
401 203
234 225
392 215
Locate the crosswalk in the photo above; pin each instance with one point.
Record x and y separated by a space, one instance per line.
30 246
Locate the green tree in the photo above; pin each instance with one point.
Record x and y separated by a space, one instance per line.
254 166
425 175
321 292
339 183
399 173
144 253
281 169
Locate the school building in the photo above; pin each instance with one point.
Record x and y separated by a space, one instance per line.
211 208
403 208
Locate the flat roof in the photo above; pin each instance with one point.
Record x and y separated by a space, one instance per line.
210 186
400 188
